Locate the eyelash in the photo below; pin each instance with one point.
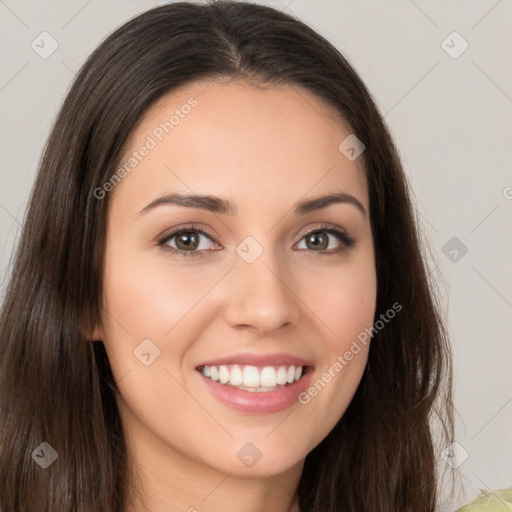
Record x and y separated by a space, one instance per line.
346 240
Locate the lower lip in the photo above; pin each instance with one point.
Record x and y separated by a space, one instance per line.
258 402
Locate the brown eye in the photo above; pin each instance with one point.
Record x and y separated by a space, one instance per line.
188 241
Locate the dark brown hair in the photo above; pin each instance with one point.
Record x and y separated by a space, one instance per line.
57 387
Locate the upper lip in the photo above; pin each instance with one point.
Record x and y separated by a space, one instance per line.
276 359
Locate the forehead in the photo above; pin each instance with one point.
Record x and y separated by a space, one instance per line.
262 142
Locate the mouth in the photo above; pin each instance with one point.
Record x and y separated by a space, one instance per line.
255 378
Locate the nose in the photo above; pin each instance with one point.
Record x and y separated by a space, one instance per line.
261 295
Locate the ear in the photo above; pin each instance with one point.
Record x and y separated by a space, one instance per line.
97 334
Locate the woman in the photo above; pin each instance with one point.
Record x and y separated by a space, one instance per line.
219 299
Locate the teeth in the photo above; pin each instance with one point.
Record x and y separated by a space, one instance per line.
236 377
253 378
223 375
268 377
282 375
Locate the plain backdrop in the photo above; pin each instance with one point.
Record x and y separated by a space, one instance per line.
447 99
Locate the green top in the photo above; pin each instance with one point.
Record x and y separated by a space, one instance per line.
495 501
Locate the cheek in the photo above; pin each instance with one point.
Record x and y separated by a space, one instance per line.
148 299
148 310
139 306
345 301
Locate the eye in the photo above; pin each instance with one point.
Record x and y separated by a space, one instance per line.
319 239
188 240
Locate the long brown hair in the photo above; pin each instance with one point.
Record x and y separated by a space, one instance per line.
56 387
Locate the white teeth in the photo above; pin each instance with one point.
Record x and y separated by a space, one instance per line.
214 373
282 375
268 377
237 377
253 378
223 375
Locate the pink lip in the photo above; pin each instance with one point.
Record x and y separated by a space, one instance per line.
277 359
257 402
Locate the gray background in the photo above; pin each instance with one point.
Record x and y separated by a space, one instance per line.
451 120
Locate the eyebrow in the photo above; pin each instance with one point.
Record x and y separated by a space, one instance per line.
218 205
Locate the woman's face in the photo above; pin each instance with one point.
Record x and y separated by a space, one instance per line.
256 295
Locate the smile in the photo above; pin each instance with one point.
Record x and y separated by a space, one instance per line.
254 378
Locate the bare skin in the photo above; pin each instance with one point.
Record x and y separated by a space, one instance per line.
263 150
